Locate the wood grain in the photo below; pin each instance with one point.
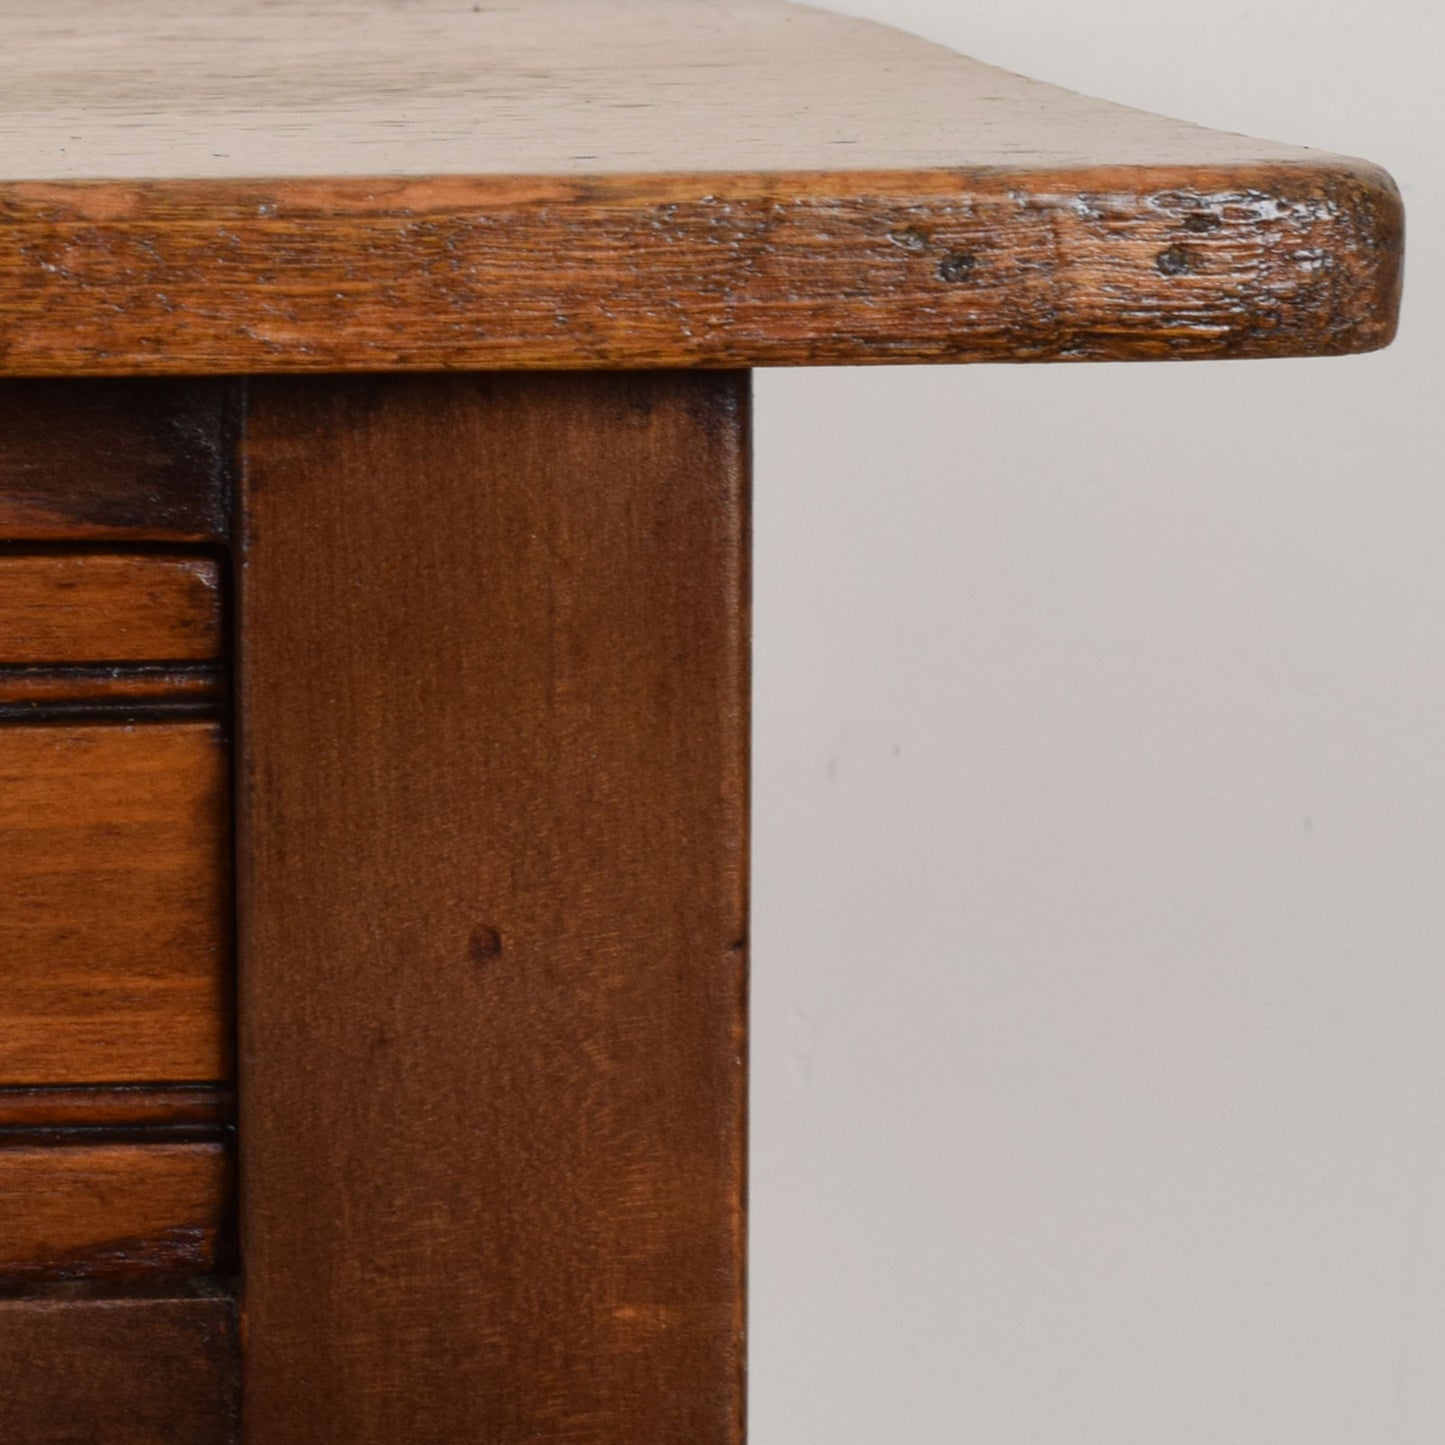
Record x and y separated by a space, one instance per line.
128 460
87 607
493 870
241 88
1098 264
112 1211
134 690
130 1106
646 183
159 1371
114 904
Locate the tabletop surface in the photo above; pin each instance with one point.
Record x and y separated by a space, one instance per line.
158 89
399 184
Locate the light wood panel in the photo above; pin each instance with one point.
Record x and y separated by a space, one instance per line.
125 1211
114 904
87 1371
241 187
493 869
87 607
549 87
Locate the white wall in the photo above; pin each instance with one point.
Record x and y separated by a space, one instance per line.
1099 969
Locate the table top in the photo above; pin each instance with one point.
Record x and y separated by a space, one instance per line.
247 185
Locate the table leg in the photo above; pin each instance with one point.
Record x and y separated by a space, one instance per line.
492 787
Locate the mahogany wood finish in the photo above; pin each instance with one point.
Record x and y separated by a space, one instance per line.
493 878
86 460
114 904
111 1211
637 183
89 607
138 1371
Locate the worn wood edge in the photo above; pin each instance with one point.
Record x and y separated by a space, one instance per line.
96 1106
121 1370
1277 258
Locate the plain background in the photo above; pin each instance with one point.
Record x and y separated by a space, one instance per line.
1099 966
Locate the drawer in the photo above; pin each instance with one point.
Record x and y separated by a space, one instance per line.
114 904
78 608
119 1369
112 1211
115 459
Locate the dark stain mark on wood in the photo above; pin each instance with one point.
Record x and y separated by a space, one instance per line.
111 459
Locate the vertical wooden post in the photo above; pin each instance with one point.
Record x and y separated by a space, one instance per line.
492 834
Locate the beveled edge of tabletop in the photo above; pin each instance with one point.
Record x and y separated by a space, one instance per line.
1300 256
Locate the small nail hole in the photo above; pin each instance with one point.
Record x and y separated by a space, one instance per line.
956 267
1175 261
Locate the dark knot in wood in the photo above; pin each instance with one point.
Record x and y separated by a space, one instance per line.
484 945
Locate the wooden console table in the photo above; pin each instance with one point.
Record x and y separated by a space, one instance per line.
374 617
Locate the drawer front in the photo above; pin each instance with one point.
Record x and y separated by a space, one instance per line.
133 1370
114 904
116 1163
85 608
109 1211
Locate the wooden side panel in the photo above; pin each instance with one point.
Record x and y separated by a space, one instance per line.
88 607
114 904
111 1211
118 1372
493 870
127 459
